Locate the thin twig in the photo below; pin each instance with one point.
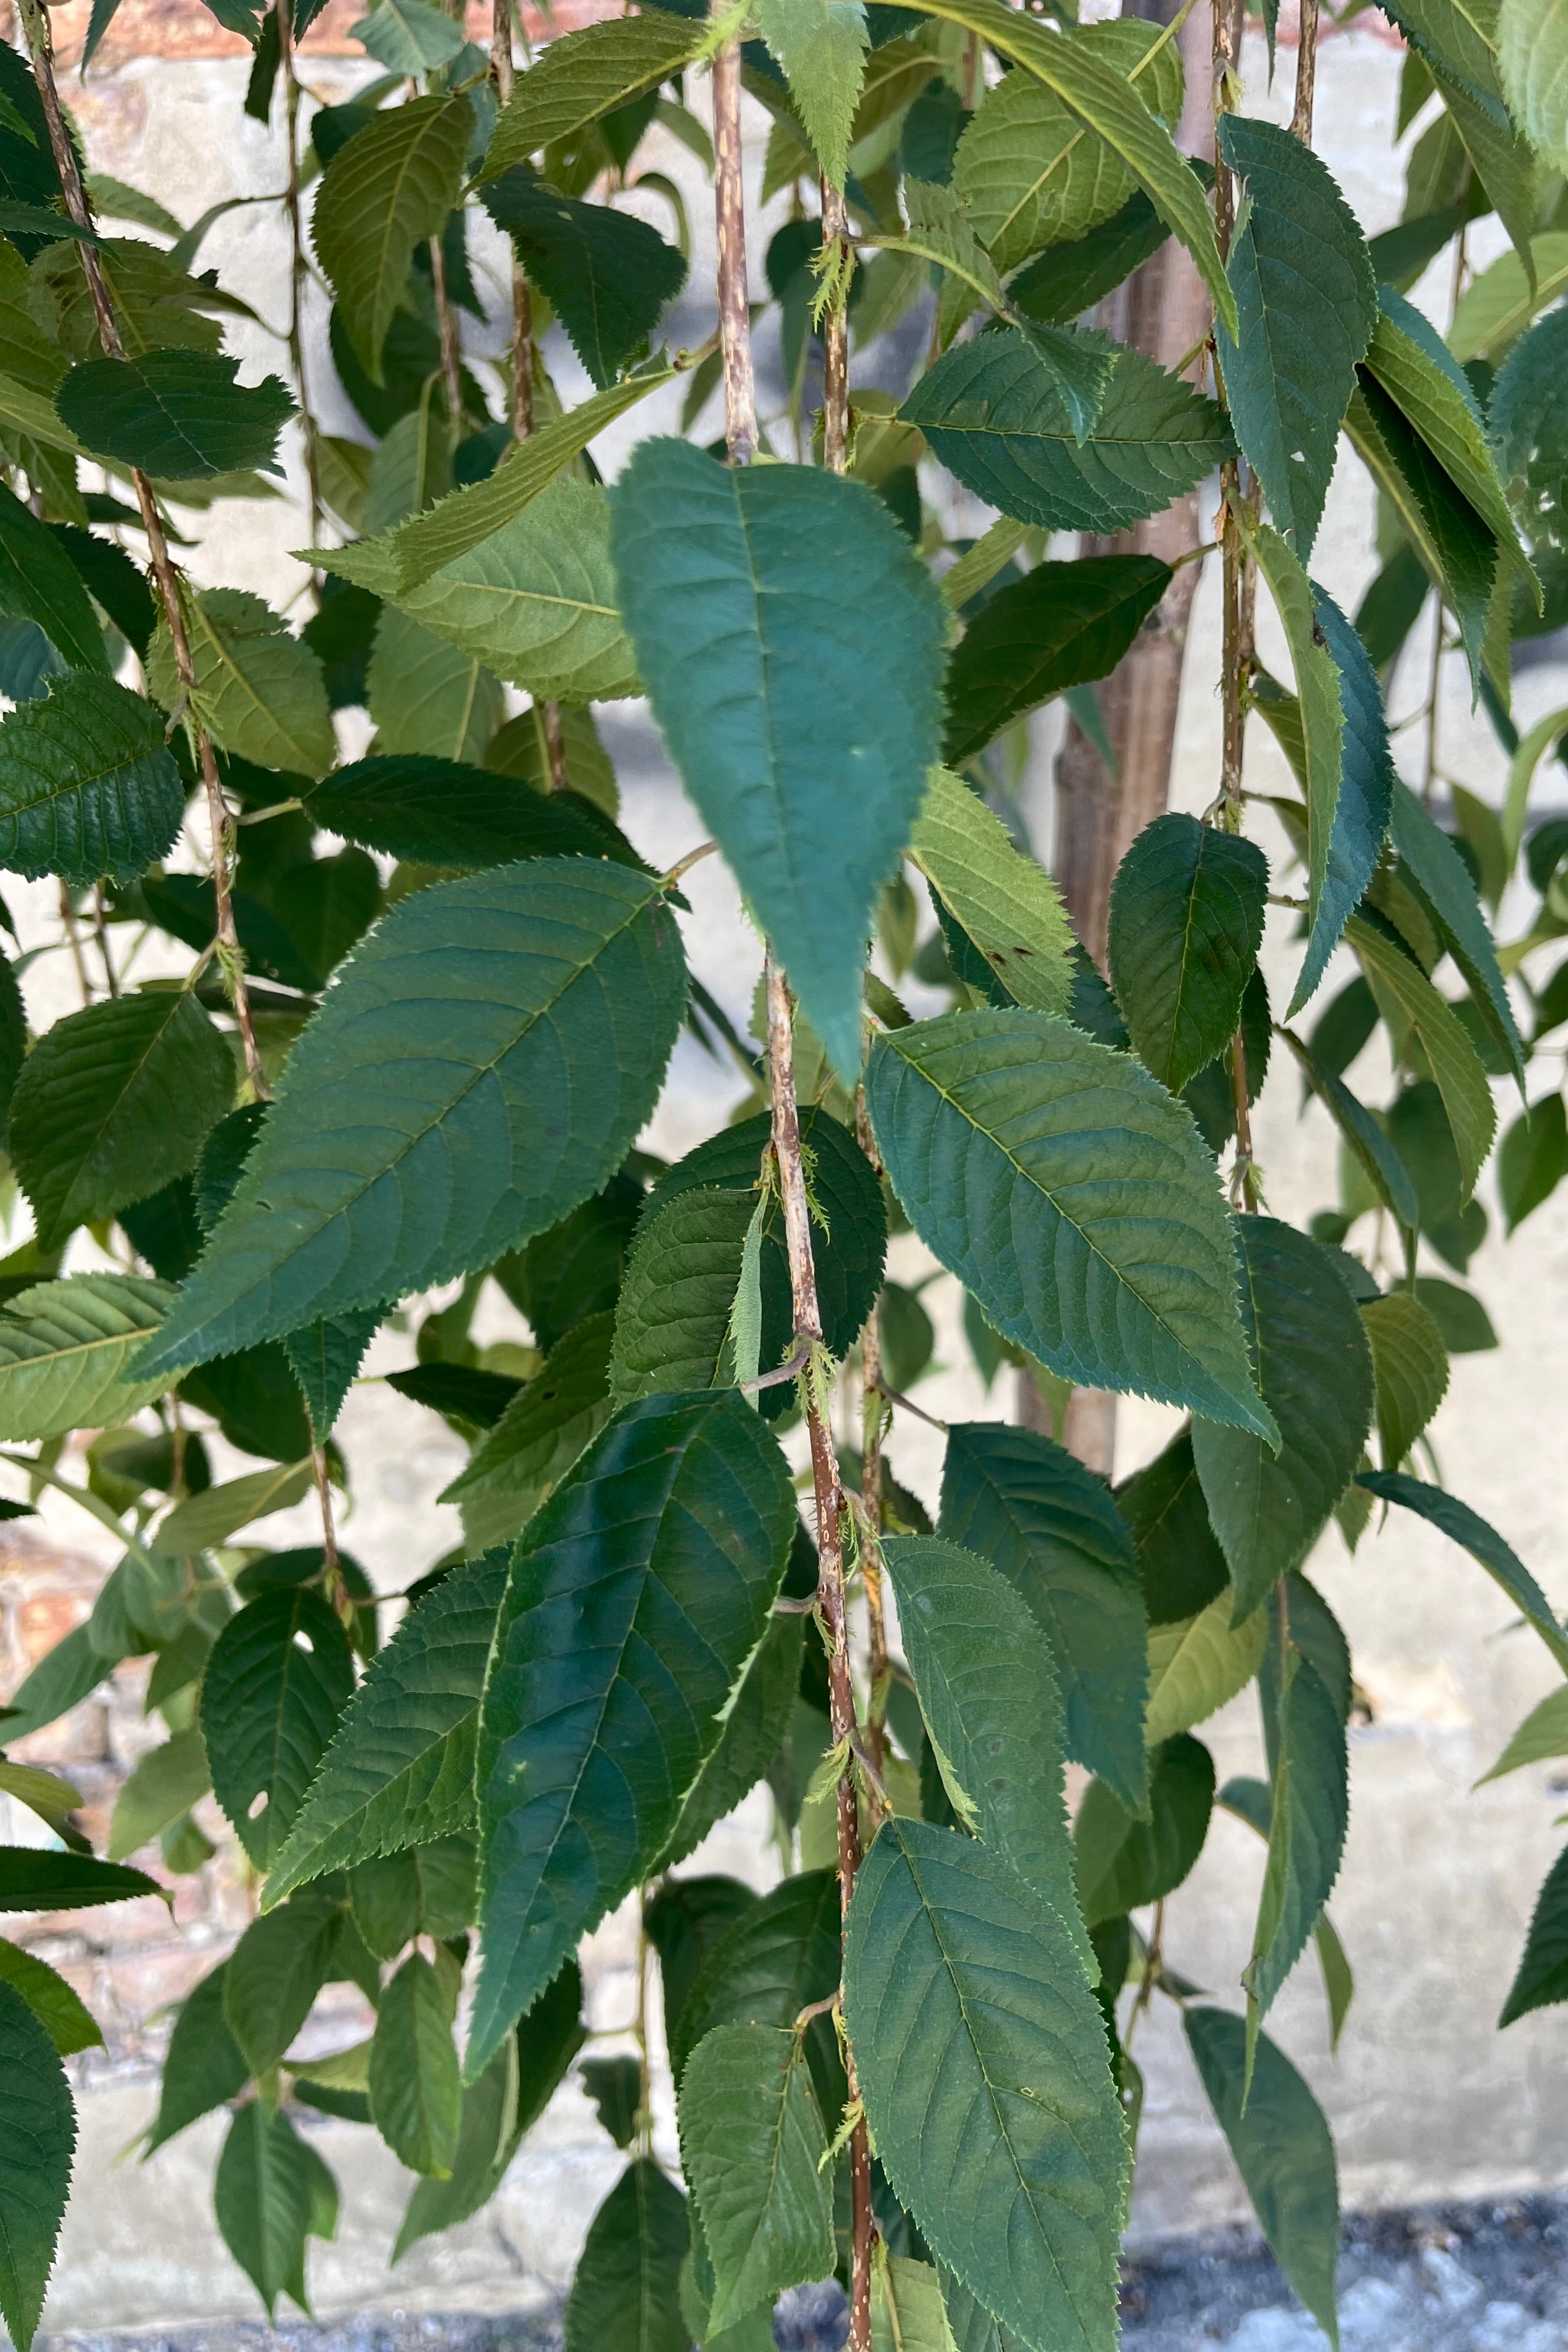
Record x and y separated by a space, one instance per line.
1306 73
791 1370
299 272
873 1412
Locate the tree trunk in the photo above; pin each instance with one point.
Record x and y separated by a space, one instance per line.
1163 309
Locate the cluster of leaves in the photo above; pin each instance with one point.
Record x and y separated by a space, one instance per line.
610 1660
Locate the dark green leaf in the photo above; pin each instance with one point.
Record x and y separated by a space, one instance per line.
1541 1977
1307 304
1027 1505
1179 1558
1283 2151
948 1955
39 582
325 1357
614 2086
755 1731
1411 1006
700 1499
438 813
1463 1322
685 1919
400 1771
275 1972
1533 1159
560 974
1065 280
753 2147
1058 626
38 2139
1449 897
1123 1862
673 1319
988 1124
1311 1807
35 1878
991 411
540 1434
69 2024
575 1270
426 1890
780 1955
458 1392
205 2066
1369 1140
1458 549
180 414
373 207
264 2196
259 691
1367 783
606 274
627 2288
1186 922
87 786
992 1703
415 2092
1462 1526
1314 1370
66 1350
583 74
279 1676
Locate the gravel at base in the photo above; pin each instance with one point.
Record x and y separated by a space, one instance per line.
1488 2277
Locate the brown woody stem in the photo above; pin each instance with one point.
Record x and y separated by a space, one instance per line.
730 221
297 267
873 1413
1306 73
447 320
836 337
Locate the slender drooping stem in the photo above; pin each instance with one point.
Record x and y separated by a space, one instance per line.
873 1416
502 72
447 320
332 1563
835 333
299 269
36 25
1306 73
730 220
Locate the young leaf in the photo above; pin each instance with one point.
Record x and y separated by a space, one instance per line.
275 1972
991 1704
948 1955
1283 2151
700 1494
792 647
375 205
400 1769
752 2146
88 788
1417 1007
279 1676
908 2310
1007 905
607 275
1533 1159
262 2197
543 1430
259 692
66 1350
1462 1526
1314 1372
1541 1977
415 2091
325 1357
38 2139
1124 1862
585 73
1028 1507
114 1101
1059 625
537 602
561 973
67 2023
219 1512
614 2086
626 2287
1186 922
1307 302
1366 787
1411 1365
433 812
673 1318
992 412
39 582
1196 1667
821 45
988 1125
182 415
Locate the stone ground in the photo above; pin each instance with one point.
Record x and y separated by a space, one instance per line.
1487 2277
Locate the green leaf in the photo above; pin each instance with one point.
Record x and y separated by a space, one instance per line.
684 1921
537 602
776 1958
1541 1977
1311 1808
701 1497
400 1769
1027 1505
182 415
1359 824
1458 551
263 2199
1186 922
1314 1370
409 37
1196 1666
259 692
87 786
1366 1139
821 45
1180 1562
1542 1734
1533 1159
576 1269
626 2287
275 1972
1124 1862
35 1878
112 1102
37 2140
1448 896
755 1730
1283 2151
1034 637
1501 301
1027 171
164 1783
1006 904
433 812
585 73
415 2091
1411 1365
518 1464
614 2086
39 582
66 1349
1408 358
992 1702
1308 304
672 1325
558 975
279 1676
1417 1007
607 275
792 646
752 2148
373 207
67 2023
1462 1526
219 1512
1121 1278
426 695
325 1357
1317 691
1010 2100
907 2297
1065 280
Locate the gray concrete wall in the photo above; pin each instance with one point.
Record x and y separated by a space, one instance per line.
1437 1882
